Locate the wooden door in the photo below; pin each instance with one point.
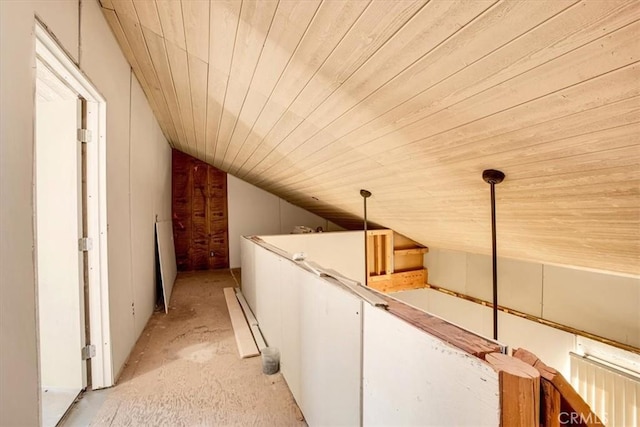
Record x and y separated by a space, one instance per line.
200 221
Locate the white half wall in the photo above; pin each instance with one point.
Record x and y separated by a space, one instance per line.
601 303
414 379
399 376
316 325
253 211
101 59
340 251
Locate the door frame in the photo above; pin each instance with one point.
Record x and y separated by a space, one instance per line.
54 57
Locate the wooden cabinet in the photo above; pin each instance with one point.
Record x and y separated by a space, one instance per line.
394 262
199 204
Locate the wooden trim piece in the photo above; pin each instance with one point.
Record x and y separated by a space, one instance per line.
251 319
564 398
411 251
536 319
246 345
519 391
403 281
440 328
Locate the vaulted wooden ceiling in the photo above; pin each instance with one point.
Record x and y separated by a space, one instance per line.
314 100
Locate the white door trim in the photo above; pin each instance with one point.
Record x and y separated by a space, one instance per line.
50 53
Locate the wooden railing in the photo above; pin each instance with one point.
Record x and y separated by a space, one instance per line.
560 403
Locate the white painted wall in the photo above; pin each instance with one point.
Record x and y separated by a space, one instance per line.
604 304
340 251
253 211
102 61
59 262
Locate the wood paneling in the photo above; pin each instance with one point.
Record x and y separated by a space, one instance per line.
199 214
411 100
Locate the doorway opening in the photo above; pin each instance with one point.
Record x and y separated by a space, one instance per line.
70 225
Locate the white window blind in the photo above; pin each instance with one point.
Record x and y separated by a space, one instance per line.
612 392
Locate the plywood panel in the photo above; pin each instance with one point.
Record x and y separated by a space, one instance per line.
200 214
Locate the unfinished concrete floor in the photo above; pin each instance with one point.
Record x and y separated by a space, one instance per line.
185 369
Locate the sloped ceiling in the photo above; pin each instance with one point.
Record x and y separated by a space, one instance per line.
314 100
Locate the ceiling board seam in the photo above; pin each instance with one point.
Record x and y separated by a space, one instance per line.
105 7
224 99
160 104
337 88
184 143
477 94
541 143
278 186
206 107
306 84
630 124
255 67
487 116
630 65
142 77
622 148
284 70
448 39
384 84
338 198
400 73
184 33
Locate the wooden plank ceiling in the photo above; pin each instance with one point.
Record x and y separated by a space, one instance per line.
314 100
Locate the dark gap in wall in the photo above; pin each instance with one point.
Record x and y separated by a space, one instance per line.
199 213
158 276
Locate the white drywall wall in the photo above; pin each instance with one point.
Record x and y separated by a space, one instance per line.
102 61
317 327
413 378
138 161
605 304
150 196
58 205
341 251
253 211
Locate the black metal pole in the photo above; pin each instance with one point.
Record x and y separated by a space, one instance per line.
493 177
365 195
495 261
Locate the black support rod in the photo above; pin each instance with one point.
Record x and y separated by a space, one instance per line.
493 177
365 195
